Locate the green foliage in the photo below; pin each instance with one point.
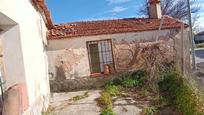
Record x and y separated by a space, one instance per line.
107 111
150 110
112 89
139 76
143 93
49 110
200 45
129 80
79 97
180 94
159 101
105 100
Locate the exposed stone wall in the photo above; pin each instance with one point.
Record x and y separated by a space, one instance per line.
68 58
69 63
83 83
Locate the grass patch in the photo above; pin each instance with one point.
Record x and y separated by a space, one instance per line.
143 93
107 111
180 94
105 100
150 110
65 104
50 109
112 89
200 45
129 80
79 97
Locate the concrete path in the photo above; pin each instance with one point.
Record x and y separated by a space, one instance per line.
63 105
87 106
127 106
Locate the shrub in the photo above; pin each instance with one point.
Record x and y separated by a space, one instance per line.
139 76
112 89
105 100
107 111
129 80
143 93
181 94
150 110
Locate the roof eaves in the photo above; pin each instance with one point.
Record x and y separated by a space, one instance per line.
41 6
74 36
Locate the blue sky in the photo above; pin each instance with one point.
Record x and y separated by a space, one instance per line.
201 20
78 10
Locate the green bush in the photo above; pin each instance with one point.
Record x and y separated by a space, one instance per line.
150 110
112 89
105 100
139 76
180 94
107 111
129 80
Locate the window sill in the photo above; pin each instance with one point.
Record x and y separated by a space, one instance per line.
95 75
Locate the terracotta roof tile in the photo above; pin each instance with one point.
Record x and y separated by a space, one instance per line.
90 28
40 5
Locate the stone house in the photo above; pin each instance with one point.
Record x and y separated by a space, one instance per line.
199 37
90 49
31 48
24 68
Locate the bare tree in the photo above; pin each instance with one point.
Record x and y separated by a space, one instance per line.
175 8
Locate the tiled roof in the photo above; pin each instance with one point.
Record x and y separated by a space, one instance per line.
40 5
90 28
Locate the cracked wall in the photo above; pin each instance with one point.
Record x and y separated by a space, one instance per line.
68 58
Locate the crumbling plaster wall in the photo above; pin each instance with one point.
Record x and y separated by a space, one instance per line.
25 56
68 58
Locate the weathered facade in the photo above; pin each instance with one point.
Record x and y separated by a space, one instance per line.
79 51
73 65
69 58
24 66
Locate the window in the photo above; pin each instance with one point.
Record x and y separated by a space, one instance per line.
100 56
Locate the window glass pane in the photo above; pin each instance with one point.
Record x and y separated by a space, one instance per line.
100 53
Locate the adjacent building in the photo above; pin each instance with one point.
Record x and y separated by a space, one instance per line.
199 37
24 67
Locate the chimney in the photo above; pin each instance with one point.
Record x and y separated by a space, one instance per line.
154 7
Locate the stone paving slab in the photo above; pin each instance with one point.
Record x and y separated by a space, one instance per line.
126 106
86 106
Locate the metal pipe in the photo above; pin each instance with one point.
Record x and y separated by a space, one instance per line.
191 36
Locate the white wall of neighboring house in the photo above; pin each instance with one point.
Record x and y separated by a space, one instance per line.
69 57
25 57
